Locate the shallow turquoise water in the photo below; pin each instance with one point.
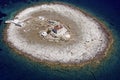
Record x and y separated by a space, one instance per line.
16 67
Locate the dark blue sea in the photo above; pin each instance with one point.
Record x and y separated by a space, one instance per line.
16 67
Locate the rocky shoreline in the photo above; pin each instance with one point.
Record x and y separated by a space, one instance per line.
70 60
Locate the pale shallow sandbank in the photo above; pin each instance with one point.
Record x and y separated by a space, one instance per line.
88 37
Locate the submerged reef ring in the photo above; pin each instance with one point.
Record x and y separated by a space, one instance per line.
88 38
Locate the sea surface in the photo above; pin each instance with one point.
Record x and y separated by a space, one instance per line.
16 67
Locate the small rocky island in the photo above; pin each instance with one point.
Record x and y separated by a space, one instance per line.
58 33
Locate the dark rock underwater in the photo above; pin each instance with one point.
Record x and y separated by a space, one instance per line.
16 67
